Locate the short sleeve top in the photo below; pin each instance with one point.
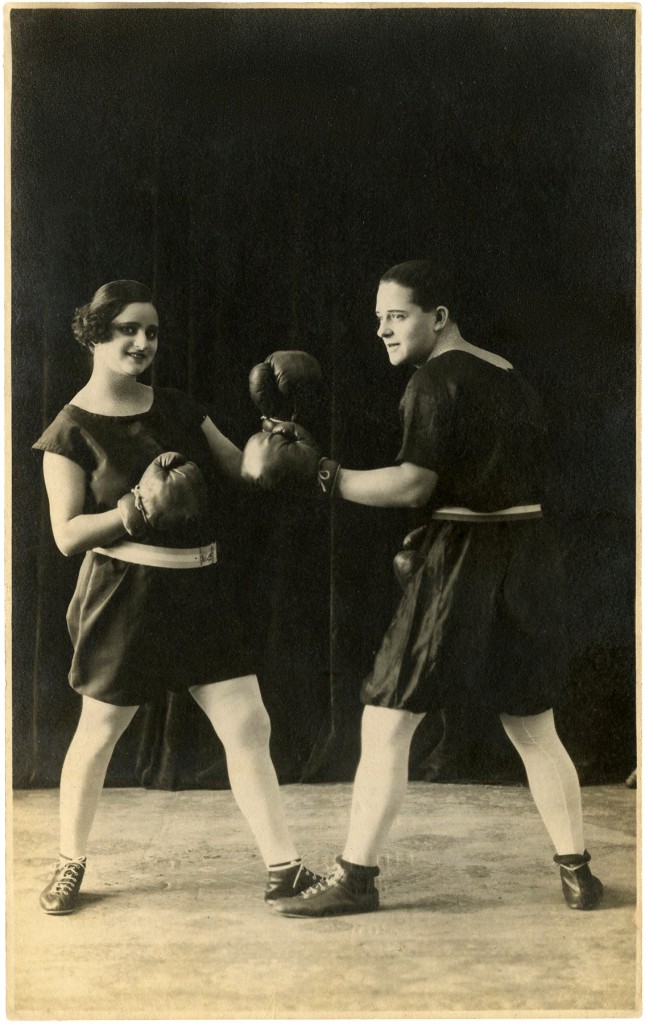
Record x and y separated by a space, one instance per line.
114 451
479 427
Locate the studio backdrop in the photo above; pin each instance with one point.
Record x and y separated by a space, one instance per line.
260 168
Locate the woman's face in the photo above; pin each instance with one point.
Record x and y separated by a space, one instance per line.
133 343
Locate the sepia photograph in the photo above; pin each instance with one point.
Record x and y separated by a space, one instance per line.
321 439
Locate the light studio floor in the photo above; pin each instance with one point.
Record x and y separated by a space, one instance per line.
172 923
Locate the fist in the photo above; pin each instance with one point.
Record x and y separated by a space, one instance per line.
284 381
284 457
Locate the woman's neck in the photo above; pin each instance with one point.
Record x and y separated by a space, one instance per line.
114 395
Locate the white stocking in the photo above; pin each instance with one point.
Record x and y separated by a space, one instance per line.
552 778
83 775
381 781
236 712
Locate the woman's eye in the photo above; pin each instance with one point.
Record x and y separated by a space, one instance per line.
152 333
125 328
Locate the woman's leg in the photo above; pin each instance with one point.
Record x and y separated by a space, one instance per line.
236 712
381 781
99 728
552 778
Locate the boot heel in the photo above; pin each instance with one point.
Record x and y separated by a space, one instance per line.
581 889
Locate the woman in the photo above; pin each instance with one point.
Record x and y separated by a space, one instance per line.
133 478
480 620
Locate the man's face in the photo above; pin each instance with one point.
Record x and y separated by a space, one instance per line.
406 330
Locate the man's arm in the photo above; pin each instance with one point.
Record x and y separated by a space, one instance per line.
404 486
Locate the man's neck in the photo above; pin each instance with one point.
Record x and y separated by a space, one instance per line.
450 338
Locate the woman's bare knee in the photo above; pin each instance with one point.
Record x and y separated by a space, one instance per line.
236 711
251 727
102 725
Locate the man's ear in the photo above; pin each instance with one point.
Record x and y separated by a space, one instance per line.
442 315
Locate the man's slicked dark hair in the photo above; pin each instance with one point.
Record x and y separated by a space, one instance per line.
430 284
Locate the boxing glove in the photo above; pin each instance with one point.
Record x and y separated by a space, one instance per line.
283 381
172 491
284 457
409 559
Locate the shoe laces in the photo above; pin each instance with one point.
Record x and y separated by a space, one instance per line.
323 884
70 877
309 876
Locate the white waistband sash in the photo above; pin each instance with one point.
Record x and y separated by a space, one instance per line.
466 515
161 558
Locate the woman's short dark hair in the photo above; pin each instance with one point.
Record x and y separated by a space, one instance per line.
91 324
430 284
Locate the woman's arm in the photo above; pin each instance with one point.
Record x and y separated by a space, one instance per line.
73 531
404 486
227 456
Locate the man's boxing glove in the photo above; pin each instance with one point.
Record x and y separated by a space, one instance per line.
284 457
409 559
172 491
284 381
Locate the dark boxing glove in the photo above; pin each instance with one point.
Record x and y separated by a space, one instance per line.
172 491
409 559
284 457
284 381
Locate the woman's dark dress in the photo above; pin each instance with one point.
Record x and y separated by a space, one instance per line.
481 620
138 630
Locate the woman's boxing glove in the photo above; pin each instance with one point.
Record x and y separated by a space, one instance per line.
284 381
172 491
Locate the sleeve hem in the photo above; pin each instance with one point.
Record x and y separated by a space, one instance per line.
54 449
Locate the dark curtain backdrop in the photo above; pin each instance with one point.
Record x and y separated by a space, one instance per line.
261 168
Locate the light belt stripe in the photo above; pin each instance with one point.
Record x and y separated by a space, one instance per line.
467 515
161 558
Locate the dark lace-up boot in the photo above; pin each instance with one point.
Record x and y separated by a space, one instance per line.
349 889
61 895
581 889
288 880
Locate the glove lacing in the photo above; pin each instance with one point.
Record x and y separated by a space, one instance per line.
138 504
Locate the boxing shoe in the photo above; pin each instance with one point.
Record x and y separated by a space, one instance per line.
349 889
61 894
289 881
581 889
